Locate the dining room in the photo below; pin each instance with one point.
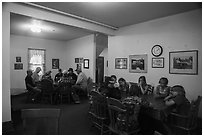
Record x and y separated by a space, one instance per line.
102 40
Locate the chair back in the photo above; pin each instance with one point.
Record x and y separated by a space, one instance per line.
116 109
193 115
42 121
99 104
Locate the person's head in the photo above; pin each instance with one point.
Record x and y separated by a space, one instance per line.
142 80
70 70
29 72
163 81
178 90
121 82
113 78
60 70
38 69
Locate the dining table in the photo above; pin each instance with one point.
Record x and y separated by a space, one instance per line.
153 113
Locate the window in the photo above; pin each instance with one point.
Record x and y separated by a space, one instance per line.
36 58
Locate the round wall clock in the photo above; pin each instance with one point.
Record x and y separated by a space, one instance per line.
157 50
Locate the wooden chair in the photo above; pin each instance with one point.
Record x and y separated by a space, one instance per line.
65 92
98 111
42 121
119 118
180 123
47 91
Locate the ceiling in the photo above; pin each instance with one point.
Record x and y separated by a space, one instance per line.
115 14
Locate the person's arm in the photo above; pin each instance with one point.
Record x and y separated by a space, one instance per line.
168 97
79 79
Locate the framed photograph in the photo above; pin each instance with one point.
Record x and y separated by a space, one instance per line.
157 62
121 63
138 63
55 63
86 63
76 60
18 66
183 62
18 59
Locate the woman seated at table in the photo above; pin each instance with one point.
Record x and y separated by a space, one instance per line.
123 87
177 100
141 88
162 90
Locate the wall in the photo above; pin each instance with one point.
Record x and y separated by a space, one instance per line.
104 54
19 47
6 101
81 47
180 32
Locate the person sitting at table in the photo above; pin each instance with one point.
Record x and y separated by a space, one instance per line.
177 100
114 81
36 76
81 83
112 91
123 87
162 90
58 75
48 76
72 76
141 88
33 91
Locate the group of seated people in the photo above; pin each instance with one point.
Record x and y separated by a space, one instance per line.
34 83
173 97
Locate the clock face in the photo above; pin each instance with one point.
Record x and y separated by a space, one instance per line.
157 50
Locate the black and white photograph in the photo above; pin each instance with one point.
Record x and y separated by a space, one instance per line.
183 62
102 68
138 63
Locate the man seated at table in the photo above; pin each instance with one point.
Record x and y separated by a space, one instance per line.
81 83
58 75
112 91
48 76
33 91
72 76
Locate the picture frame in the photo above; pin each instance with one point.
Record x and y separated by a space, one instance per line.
138 63
158 62
18 59
18 66
120 63
55 63
86 63
76 60
183 62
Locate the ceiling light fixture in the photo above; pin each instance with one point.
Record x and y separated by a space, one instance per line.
37 27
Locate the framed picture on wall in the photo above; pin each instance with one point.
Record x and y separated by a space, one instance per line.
183 62
121 63
18 59
138 63
157 62
86 63
18 66
55 63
